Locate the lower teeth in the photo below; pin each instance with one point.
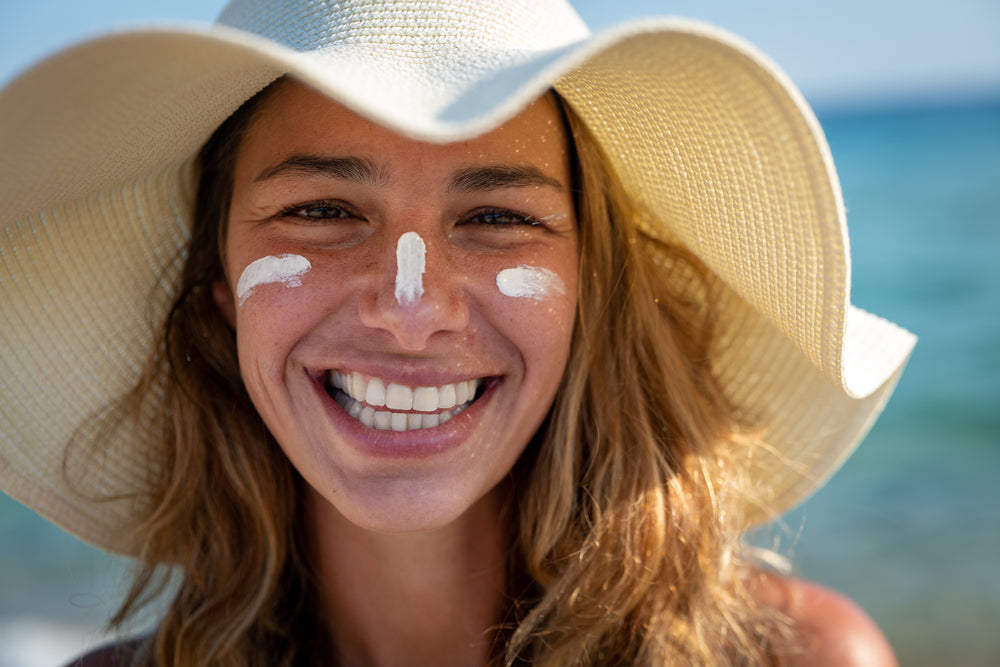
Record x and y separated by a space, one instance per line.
384 420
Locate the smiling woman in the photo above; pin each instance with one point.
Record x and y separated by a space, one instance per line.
477 340
465 215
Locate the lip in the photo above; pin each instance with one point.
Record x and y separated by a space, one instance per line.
412 445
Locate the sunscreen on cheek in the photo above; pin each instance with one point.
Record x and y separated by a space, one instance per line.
529 282
410 257
285 269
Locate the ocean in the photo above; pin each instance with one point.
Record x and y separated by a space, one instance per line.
910 527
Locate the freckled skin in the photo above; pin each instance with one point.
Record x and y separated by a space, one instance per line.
345 314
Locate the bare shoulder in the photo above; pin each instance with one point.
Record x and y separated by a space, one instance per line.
838 631
111 655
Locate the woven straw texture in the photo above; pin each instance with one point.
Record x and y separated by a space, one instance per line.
705 132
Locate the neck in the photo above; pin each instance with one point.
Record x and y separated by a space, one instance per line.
421 598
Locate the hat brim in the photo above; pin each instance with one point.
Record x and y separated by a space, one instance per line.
704 131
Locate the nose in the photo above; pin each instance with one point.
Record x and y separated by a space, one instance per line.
414 293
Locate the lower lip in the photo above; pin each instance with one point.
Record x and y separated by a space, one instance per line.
416 444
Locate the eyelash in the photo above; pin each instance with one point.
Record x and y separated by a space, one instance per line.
490 217
300 211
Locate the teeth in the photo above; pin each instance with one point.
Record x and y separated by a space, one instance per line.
377 393
425 399
397 420
336 380
446 396
342 399
408 408
398 397
357 389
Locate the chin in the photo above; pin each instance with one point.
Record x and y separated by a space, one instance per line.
399 506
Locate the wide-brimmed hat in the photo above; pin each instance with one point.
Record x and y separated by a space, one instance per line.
97 148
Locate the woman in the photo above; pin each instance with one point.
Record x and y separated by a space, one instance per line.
489 341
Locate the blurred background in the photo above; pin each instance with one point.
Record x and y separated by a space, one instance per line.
908 93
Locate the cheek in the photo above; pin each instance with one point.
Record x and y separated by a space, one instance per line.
268 289
537 306
279 299
280 286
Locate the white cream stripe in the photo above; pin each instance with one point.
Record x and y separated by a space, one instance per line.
287 269
410 257
529 282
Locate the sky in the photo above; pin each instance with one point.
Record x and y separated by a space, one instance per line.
848 53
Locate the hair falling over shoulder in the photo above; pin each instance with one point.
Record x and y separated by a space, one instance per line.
632 516
630 504
224 507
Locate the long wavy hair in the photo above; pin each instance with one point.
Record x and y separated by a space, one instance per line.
629 503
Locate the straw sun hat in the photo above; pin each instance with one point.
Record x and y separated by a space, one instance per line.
96 181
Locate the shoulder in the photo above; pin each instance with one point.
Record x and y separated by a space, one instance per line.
111 655
837 631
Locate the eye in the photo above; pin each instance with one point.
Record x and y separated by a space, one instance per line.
501 218
317 211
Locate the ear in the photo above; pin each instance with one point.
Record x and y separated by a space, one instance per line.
225 301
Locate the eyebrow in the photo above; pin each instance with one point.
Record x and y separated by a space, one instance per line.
497 177
362 170
359 170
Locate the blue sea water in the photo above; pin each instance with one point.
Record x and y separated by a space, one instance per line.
910 527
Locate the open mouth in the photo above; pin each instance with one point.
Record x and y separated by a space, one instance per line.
388 406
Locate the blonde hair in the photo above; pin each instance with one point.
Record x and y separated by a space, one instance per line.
632 519
629 500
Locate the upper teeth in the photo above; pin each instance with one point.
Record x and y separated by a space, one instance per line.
379 393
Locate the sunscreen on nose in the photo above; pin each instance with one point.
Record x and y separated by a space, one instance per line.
529 282
285 269
410 257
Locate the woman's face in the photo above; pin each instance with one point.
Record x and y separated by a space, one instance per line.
403 310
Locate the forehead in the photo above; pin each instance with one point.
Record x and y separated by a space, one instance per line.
293 118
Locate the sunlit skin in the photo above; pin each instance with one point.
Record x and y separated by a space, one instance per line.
408 530
345 316
426 501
